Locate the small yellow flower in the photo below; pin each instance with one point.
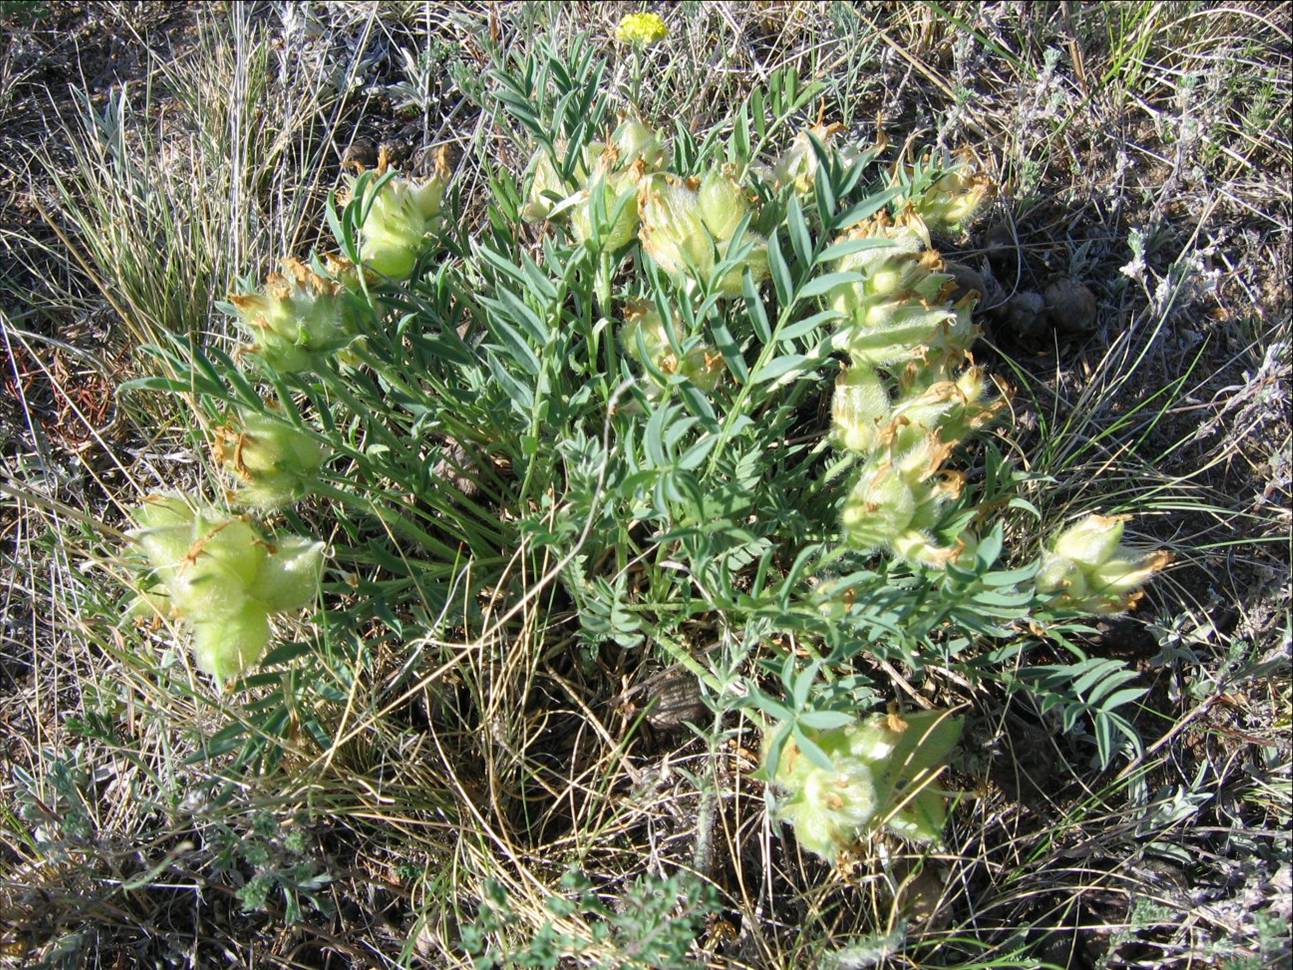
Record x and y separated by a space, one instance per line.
641 29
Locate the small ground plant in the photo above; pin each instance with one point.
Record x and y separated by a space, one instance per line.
675 393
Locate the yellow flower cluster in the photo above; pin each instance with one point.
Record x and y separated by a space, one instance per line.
641 29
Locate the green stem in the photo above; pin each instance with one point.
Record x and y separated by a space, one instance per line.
682 656
635 79
395 522
602 289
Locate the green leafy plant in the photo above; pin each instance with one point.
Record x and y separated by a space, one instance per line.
668 390
655 927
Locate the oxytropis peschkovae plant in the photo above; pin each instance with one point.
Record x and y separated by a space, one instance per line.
905 405
620 382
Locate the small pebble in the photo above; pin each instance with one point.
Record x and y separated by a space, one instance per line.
1021 317
982 282
1070 307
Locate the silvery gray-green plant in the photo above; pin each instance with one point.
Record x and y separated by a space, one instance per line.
624 373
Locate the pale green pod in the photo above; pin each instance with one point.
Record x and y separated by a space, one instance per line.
973 410
859 406
222 577
701 364
544 184
199 588
1055 573
890 270
833 807
289 577
684 243
894 277
889 333
951 202
634 140
1119 576
796 167
642 321
877 765
297 317
1091 541
1115 585
917 546
269 492
618 195
672 231
402 219
218 569
755 262
226 646
920 414
704 367
230 547
166 532
723 203
164 510
274 461
870 740
879 507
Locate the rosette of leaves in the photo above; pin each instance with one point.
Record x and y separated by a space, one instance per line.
874 772
223 578
1088 568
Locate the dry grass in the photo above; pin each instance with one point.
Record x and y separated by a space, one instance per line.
1141 150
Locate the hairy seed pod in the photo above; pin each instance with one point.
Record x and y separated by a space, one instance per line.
274 462
1092 541
401 220
879 508
945 196
223 578
644 330
297 318
1089 569
616 194
796 167
546 188
878 773
687 239
636 141
859 408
